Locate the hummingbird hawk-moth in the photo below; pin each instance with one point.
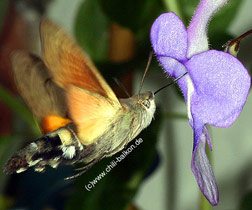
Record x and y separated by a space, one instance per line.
80 116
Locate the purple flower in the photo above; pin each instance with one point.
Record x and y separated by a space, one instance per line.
215 88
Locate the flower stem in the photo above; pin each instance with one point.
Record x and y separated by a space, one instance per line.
173 5
204 204
232 47
173 115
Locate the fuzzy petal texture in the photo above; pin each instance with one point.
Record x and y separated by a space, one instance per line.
221 86
202 169
169 36
197 30
175 69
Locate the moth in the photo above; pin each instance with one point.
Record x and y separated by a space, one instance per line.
80 116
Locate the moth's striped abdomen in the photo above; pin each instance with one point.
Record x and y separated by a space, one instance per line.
47 150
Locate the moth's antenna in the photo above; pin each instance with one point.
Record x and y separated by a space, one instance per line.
118 82
173 82
146 69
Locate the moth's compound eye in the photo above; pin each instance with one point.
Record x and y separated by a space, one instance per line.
146 103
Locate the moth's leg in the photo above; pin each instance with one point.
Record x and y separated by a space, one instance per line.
122 145
85 168
90 164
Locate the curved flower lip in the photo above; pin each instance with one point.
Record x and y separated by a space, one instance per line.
202 169
221 85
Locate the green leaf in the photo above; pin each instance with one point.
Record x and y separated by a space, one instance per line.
91 30
4 203
3 9
134 14
174 6
116 189
204 203
18 108
175 116
246 202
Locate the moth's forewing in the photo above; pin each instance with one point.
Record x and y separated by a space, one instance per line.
68 63
71 68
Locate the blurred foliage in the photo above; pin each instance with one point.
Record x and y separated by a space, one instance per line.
137 15
3 9
175 6
224 17
91 28
246 202
38 5
18 108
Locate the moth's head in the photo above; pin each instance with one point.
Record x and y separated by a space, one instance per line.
146 101
144 105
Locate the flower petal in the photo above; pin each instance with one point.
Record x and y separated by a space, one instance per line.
169 36
175 69
197 30
202 169
221 86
